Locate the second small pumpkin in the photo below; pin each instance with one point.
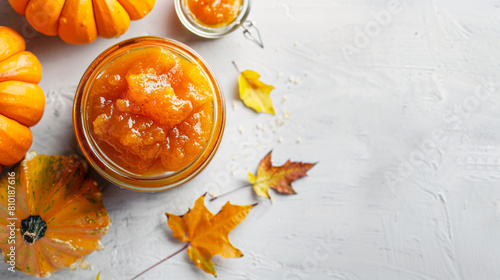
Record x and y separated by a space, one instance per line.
81 21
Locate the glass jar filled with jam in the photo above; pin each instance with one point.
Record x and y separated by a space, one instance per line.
149 114
216 18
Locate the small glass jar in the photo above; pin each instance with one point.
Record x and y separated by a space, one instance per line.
102 162
192 24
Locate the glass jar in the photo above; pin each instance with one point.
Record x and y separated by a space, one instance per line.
101 162
191 23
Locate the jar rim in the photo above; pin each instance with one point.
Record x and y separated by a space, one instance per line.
112 171
209 32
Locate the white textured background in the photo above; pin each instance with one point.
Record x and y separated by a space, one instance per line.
404 122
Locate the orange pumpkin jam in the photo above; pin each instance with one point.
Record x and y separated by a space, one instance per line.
214 13
151 110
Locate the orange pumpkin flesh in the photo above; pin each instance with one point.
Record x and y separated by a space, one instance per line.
64 208
21 100
81 21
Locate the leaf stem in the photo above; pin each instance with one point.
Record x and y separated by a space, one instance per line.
236 66
165 259
229 192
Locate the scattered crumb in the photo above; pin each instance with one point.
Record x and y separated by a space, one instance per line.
259 125
84 264
233 171
234 156
263 128
295 43
234 105
99 246
280 74
287 114
279 121
284 98
299 139
213 194
240 129
278 49
291 79
280 139
234 140
306 74
247 144
296 80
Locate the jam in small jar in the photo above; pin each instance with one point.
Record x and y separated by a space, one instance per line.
212 18
214 13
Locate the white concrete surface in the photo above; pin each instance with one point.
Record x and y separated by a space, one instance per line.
398 102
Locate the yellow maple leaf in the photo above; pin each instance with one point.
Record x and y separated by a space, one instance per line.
207 233
278 178
254 93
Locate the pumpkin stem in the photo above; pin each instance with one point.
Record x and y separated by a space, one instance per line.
32 229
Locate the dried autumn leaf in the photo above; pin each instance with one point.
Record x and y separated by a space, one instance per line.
277 177
207 233
254 93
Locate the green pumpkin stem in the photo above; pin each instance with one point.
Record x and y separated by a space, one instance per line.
32 229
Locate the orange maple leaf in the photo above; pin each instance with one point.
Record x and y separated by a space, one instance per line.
207 233
278 178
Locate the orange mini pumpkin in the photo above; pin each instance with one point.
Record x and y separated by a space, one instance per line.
81 21
51 214
22 101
